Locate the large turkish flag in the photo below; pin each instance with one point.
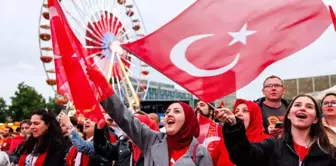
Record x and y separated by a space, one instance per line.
215 47
70 64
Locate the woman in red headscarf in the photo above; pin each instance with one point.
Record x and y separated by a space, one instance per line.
250 113
178 146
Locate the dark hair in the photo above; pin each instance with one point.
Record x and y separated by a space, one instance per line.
210 108
26 121
10 129
18 129
52 137
328 94
270 77
80 127
73 121
317 132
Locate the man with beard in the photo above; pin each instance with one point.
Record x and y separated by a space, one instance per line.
273 107
205 110
7 138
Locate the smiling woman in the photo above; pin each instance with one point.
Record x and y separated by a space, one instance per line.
304 139
178 146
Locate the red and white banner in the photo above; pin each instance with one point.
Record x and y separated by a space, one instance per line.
215 47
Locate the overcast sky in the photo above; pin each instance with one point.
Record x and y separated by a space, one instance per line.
20 56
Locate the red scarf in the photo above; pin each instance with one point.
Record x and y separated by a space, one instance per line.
71 157
39 161
255 131
189 129
151 124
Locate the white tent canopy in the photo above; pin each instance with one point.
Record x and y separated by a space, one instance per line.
321 94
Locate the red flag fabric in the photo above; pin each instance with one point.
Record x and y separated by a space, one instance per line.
215 47
70 64
333 16
210 135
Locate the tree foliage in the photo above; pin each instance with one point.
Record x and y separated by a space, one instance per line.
25 100
3 110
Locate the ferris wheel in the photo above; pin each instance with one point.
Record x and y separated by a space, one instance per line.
98 24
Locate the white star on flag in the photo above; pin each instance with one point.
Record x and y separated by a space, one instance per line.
241 35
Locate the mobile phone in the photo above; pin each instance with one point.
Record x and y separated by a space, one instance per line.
278 124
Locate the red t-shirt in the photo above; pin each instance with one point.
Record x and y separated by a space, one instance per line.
175 155
6 144
301 151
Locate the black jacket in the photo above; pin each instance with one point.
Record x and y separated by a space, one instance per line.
264 115
15 155
120 151
270 152
67 143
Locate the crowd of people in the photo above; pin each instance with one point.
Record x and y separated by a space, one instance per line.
266 132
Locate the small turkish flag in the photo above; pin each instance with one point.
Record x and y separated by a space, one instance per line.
215 47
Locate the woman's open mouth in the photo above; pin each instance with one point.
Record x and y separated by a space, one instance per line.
301 116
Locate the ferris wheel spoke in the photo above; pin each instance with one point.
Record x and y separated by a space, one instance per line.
115 29
109 15
110 67
134 95
80 12
118 82
128 61
114 17
95 10
94 55
83 27
105 22
83 15
93 47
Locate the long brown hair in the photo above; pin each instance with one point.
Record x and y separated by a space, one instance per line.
317 132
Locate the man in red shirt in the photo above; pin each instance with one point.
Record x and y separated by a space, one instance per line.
23 135
7 134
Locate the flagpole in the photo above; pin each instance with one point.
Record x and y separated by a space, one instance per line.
127 79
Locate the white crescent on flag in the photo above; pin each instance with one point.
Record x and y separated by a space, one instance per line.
178 58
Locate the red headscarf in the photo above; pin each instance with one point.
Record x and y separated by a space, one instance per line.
151 124
255 131
189 129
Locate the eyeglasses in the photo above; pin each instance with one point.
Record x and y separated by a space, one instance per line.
273 85
327 103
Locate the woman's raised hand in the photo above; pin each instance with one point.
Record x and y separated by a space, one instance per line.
225 115
64 118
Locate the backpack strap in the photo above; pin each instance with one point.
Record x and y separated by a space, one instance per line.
194 153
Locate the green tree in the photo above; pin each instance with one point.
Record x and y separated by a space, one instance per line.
51 105
3 110
25 100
